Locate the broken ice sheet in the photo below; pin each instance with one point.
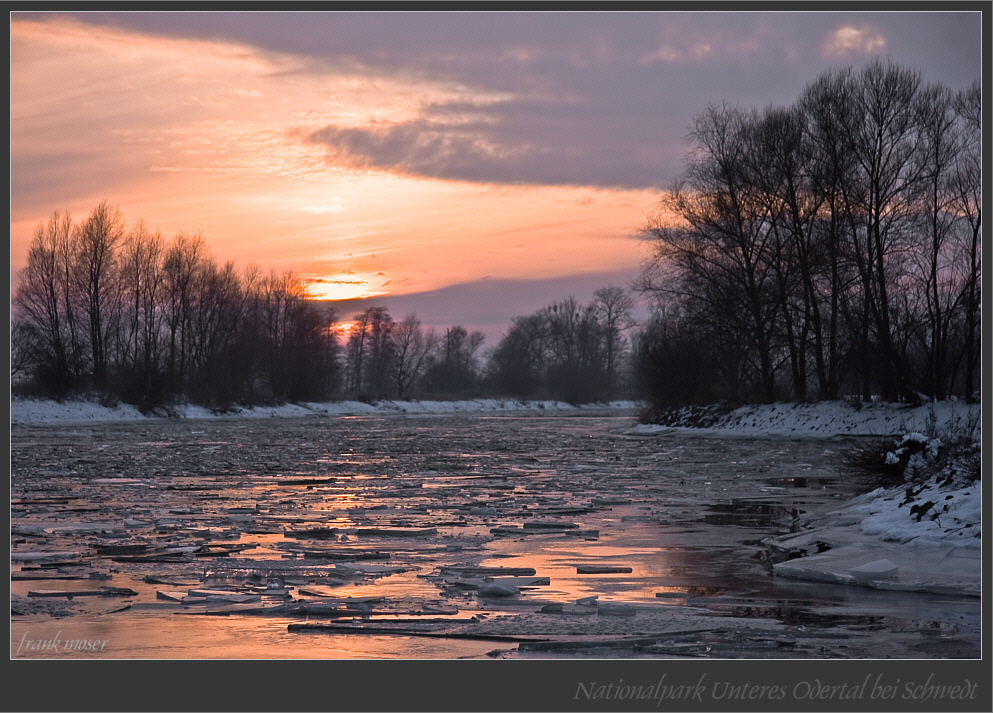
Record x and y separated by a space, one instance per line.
382 485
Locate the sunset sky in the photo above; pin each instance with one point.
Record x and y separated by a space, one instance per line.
468 166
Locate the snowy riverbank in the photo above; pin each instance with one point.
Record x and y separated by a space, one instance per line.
925 538
924 534
825 418
829 418
23 411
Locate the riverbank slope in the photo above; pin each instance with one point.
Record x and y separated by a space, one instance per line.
923 532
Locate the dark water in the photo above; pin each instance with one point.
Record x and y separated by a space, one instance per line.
391 501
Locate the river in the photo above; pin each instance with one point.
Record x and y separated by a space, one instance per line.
380 537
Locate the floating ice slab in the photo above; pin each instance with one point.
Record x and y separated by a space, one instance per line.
43 556
499 590
521 581
601 569
879 569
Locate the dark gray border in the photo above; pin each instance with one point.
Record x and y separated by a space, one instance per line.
511 685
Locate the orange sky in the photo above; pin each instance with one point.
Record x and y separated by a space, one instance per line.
475 163
210 136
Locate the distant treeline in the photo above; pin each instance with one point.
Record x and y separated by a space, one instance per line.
826 248
122 312
569 350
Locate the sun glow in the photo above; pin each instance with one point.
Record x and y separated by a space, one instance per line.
213 137
334 289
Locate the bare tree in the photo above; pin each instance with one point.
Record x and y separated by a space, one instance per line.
454 368
825 104
724 246
141 285
379 345
182 260
410 350
356 351
966 187
368 351
779 161
560 349
98 239
929 281
884 142
299 349
158 321
517 365
838 237
217 366
613 307
22 349
136 358
46 310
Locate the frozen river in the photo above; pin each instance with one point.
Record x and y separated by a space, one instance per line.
436 536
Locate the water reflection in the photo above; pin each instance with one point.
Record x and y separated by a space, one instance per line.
659 523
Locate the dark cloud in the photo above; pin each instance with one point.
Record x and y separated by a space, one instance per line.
438 150
488 305
527 51
606 99
528 140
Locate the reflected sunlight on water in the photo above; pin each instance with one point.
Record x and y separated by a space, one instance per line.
390 508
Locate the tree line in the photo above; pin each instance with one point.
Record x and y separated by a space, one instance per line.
123 312
568 350
384 358
824 248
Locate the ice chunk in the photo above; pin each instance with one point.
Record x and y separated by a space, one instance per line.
601 569
878 569
499 590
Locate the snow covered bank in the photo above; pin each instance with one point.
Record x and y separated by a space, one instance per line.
43 411
926 516
924 534
926 538
825 418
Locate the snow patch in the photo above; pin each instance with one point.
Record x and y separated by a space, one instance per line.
830 418
931 516
23 411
